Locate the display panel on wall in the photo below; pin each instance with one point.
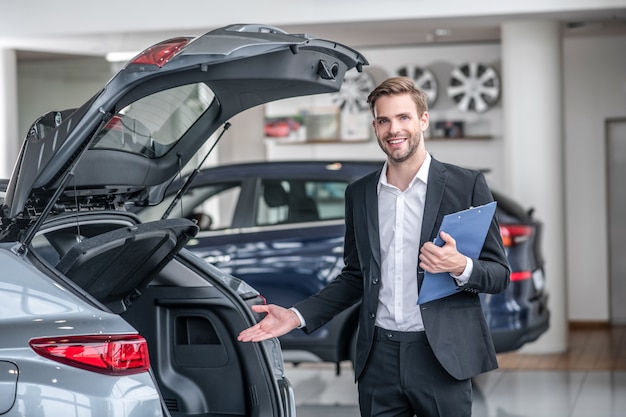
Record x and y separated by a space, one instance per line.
341 116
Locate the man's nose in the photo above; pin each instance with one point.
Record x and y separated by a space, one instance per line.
394 127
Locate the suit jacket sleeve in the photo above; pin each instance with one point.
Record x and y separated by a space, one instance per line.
343 291
491 270
455 326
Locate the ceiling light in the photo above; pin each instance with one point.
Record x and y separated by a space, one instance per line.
120 56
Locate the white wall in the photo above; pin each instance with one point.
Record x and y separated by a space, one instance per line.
242 142
49 85
8 112
595 89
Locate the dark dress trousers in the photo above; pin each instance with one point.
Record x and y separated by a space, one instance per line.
455 326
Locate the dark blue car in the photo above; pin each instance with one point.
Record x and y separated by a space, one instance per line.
280 226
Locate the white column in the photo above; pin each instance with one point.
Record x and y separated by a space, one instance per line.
533 148
9 142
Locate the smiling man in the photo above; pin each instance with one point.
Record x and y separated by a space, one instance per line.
411 358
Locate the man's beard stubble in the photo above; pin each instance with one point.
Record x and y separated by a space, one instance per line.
414 142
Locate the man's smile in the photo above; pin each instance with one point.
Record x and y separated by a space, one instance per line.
395 141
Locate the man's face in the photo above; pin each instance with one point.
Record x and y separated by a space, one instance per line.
398 127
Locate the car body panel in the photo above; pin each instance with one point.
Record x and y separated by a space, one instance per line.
23 294
33 306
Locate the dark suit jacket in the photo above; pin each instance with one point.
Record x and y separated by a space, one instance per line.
455 326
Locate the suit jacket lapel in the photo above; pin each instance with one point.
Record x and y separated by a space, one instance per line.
371 210
434 195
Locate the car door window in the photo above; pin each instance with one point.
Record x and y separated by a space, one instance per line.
212 206
216 211
284 201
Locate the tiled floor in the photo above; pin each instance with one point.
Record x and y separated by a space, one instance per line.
501 393
587 381
589 349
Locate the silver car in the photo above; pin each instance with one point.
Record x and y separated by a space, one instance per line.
103 315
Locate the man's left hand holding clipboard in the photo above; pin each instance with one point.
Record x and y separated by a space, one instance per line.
469 229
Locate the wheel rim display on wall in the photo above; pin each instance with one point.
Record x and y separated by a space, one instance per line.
424 79
474 87
352 96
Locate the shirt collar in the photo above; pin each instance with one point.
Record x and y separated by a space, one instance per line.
422 173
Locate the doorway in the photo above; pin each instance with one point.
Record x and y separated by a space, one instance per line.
616 194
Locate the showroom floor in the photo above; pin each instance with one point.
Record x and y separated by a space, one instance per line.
587 381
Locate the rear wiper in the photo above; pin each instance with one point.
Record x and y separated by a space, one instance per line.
193 175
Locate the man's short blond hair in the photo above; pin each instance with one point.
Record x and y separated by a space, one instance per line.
399 85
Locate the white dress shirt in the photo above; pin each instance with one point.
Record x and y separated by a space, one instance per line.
400 216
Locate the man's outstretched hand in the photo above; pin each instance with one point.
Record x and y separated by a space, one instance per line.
277 322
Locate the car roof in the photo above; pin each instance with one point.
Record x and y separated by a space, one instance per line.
80 155
294 168
306 169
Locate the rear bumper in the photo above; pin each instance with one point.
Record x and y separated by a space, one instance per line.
509 340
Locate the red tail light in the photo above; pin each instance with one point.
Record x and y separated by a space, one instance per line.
109 355
514 234
520 275
162 52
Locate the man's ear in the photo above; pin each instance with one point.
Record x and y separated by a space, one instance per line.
424 121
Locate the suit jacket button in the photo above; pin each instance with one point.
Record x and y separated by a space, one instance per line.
375 281
372 316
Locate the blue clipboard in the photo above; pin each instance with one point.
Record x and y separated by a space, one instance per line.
469 228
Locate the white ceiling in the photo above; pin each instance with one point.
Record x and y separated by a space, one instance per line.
358 23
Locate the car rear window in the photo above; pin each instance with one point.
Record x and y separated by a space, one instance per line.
152 125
